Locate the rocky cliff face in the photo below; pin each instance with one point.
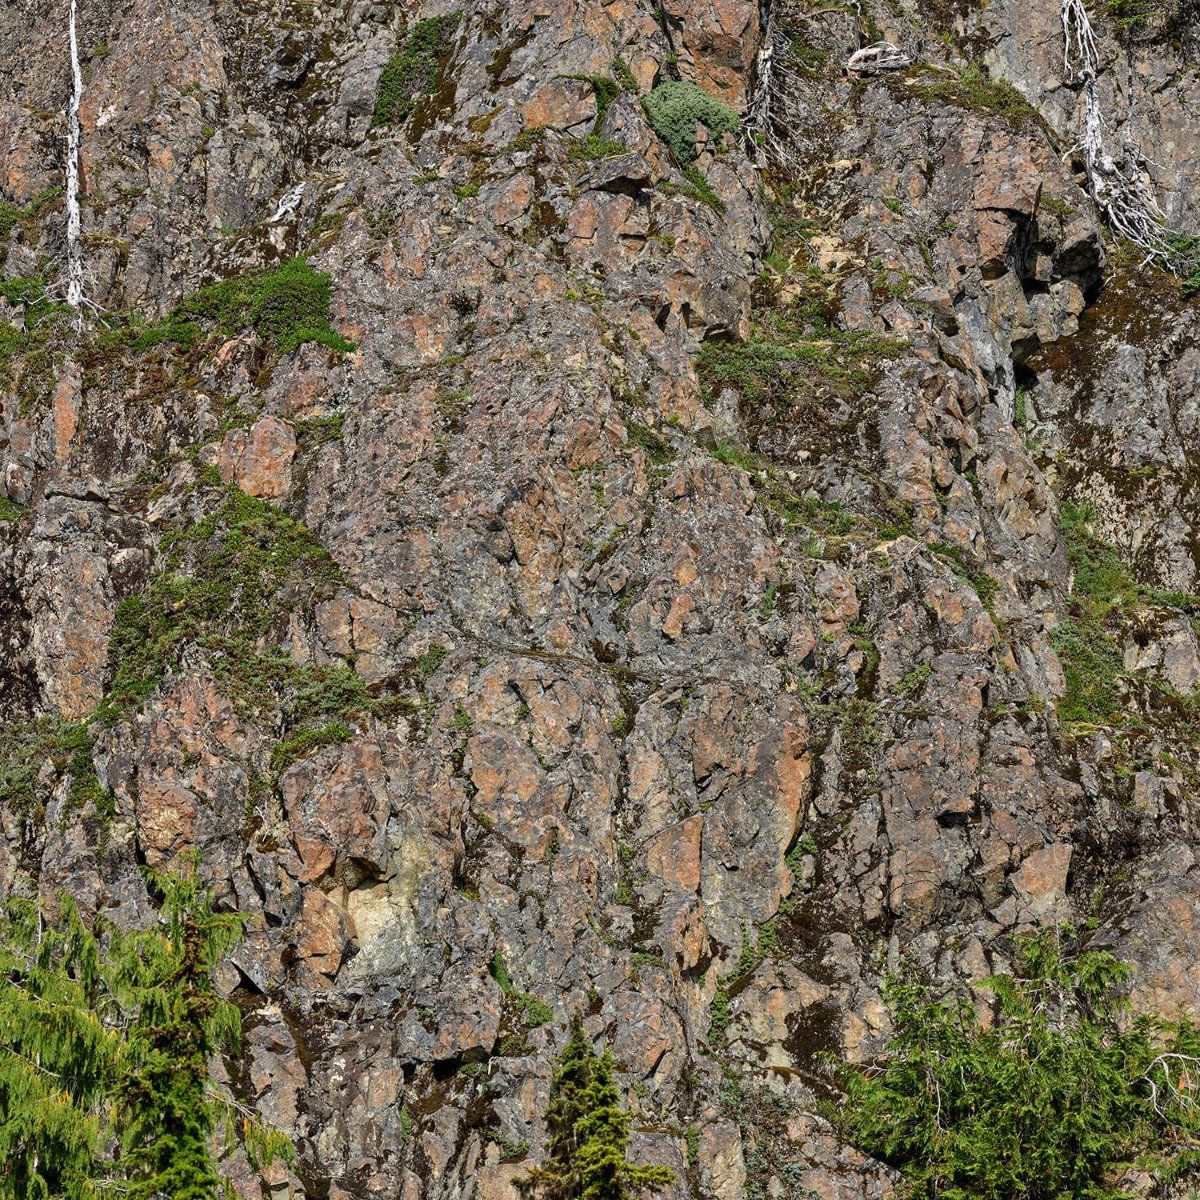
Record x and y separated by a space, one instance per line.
680 606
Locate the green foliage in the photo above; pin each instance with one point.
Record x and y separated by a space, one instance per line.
28 747
238 572
415 70
1087 642
788 352
753 953
594 147
624 76
28 292
58 1060
673 110
1049 1102
12 343
534 1012
10 510
973 88
286 306
104 1051
606 89
588 1134
12 215
303 744
1185 262
317 431
1152 19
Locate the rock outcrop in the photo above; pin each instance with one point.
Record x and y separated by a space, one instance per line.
668 605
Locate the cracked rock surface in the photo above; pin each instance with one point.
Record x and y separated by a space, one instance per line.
679 677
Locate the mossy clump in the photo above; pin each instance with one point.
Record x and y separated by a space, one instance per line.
673 110
1151 20
415 70
286 306
27 294
230 580
974 89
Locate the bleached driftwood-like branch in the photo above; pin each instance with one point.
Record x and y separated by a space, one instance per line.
772 123
873 60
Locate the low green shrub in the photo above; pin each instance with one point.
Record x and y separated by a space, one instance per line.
415 69
286 306
1053 1100
673 110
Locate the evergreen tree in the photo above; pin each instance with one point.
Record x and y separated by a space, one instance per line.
166 1114
104 1050
589 1134
1058 1097
59 1058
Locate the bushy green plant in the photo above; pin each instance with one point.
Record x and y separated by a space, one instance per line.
673 110
104 1052
286 306
589 1134
415 69
1063 1091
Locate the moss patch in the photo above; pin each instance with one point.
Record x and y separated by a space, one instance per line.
415 70
26 747
1088 642
974 89
12 215
286 306
231 579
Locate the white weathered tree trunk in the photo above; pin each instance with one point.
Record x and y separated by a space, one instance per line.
74 217
1118 190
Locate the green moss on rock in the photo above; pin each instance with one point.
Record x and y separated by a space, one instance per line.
286 306
229 580
415 70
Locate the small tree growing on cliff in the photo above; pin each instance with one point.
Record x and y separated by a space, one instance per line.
104 1048
1052 1102
589 1134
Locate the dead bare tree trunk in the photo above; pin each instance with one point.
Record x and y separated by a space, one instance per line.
74 217
1118 188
